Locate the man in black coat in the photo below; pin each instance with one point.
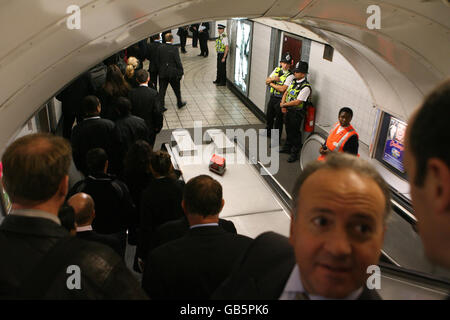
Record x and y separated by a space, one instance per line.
183 33
35 250
337 231
203 37
71 99
170 70
127 131
84 208
145 104
114 208
193 266
194 29
92 132
152 56
176 229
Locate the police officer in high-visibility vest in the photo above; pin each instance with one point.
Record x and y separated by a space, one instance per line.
279 80
343 137
222 53
293 105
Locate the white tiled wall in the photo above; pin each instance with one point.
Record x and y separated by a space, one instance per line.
335 85
259 64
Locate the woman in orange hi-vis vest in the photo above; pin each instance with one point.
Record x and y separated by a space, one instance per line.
343 137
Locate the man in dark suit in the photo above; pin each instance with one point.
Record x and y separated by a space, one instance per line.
427 162
114 208
194 29
71 98
193 266
183 33
337 230
170 70
92 132
176 229
152 55
84 208
203 36
145 104
127 131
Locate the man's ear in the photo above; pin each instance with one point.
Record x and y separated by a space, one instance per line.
183 205
439 183
292 229
64 187
221 207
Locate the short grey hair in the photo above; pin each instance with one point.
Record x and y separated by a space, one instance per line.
338 161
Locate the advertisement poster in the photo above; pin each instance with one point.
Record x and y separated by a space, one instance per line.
242 55
395 144
4 199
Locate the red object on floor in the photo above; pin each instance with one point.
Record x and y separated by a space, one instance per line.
217 164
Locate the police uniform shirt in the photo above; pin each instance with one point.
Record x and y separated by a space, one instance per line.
289 79
224 39
294 288
304 93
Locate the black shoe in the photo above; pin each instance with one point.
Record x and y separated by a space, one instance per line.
215 81
182 105
221 84
285 150
163 109
206 56
293 157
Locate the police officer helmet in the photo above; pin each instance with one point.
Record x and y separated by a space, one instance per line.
286 58
221 26
301 66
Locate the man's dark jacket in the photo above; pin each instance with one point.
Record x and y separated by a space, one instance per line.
24 241
89 134
193 266
145 104
176 229
263 270
114 208
169 62
105 239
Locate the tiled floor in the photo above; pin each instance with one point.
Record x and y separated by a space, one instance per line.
213 106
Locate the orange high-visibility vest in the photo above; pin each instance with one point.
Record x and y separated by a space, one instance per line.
336 141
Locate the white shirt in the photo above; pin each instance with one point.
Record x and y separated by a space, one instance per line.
294 285
304 93
204 225
84 228
225 39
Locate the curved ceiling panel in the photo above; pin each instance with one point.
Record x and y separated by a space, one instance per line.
39 54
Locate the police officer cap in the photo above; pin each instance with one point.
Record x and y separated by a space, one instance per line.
301 66
286 58
221 26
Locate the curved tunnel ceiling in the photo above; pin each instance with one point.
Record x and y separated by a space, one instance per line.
400 62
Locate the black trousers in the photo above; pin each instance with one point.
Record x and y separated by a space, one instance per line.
153 79
203 44
294 120
183 42
194 39
274 115
221 76
174 83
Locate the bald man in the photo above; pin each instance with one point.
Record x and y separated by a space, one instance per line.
427 162
84 208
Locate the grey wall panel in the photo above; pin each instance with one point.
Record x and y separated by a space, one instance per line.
260 64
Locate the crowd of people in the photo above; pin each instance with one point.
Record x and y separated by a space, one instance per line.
184 250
